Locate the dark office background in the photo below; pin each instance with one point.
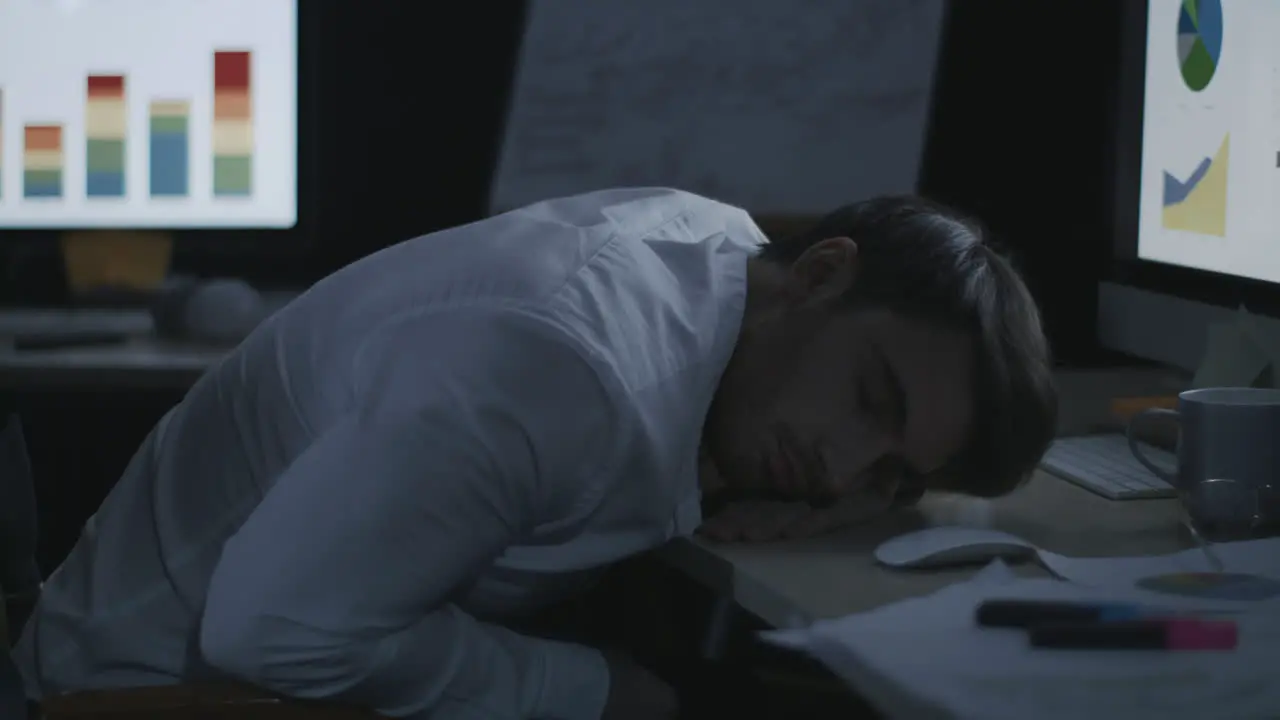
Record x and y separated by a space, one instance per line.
406 109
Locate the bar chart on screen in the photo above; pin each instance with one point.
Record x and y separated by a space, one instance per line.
232 124
104 127
152 113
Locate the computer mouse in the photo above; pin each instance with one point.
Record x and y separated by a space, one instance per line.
951 546
222 311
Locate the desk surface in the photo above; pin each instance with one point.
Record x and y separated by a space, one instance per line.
799 581
143 362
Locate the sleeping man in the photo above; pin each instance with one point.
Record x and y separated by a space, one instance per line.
470 425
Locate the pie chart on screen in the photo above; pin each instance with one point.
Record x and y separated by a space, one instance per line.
1199 41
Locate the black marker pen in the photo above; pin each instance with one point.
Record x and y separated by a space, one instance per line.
1029 613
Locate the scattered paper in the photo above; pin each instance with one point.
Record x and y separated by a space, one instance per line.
1250 573
995 573
925 658
1240 353
1231 358
1266 340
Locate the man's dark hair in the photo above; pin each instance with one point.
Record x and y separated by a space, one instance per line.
922 260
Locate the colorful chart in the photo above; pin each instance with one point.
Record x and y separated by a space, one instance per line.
105 123
1199 41
106 134
232 123
1213 586
1 143
42 161
170 152
1199 203
148 114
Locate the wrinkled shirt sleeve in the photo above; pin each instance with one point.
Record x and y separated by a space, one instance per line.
339 585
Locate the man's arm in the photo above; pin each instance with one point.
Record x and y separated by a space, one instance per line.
339 584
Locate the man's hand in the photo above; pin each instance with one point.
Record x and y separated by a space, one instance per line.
636 693
763 520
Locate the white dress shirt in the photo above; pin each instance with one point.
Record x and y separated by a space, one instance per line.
454 430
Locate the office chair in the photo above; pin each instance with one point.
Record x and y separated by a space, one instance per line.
19 576
20 588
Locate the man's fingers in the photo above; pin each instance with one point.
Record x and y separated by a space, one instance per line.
770 524
812 523
759 521
850 511
752 520
732 523
722 525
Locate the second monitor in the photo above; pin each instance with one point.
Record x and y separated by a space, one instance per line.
1197 177
1210 177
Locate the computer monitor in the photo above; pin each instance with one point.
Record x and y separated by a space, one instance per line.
167 114
1197 213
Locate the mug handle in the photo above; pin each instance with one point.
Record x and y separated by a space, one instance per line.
1134 423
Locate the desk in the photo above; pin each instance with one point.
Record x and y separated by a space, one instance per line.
796 582
835 575
144 362
800 581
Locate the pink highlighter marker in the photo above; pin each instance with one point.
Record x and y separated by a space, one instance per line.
1178 634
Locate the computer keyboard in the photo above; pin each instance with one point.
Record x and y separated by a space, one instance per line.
1104 465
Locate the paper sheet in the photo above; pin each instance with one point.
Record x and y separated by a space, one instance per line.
1230 359
926 658
1251 573
1238 353
1267 342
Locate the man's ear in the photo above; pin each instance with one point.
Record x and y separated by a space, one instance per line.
826 270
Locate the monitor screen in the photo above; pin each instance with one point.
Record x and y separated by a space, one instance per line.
1210 196
176 114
